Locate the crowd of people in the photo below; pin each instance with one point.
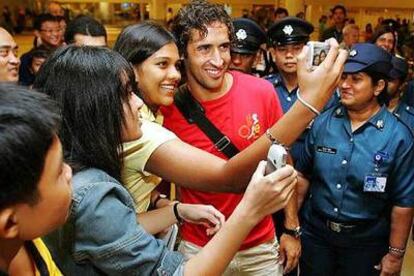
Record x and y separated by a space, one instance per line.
91 137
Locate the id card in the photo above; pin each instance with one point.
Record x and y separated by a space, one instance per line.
375 183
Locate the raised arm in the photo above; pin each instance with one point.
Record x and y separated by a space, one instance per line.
264 195
187 166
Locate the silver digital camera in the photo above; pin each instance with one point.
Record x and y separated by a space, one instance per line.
317 53
276 158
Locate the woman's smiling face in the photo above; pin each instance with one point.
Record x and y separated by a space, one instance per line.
158 76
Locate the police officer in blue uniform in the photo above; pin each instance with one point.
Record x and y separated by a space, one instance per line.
398 76
249 36
286 39
358 159
408 96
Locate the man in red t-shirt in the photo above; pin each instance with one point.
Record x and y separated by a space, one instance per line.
242 107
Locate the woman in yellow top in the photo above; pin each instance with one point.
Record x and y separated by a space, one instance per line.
152 51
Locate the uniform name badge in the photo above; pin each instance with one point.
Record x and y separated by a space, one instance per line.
375 183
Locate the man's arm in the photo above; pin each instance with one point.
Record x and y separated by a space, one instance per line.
216 175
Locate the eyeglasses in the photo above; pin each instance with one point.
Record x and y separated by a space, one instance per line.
57 31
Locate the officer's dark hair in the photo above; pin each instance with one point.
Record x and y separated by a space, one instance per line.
198 15
336 7
281 11
138 42
42 18
375 76
28 125
91 103
84 25
383 29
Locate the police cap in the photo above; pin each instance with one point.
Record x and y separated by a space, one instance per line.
289 30
391 23
363 56
399 68
249 36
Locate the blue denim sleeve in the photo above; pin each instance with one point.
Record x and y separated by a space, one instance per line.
109 237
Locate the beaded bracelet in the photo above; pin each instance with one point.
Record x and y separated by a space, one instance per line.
308 105
396 251
272 139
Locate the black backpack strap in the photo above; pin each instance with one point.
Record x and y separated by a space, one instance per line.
37 258
194 114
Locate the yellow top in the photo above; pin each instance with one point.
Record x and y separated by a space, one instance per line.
139 183
44 252
148 115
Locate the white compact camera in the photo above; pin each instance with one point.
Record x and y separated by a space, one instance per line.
317 53
276 158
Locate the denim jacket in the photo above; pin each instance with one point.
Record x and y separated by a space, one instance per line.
102 235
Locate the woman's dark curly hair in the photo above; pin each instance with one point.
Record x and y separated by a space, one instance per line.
198 15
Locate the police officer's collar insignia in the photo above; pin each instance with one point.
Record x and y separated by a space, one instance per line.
241 34
288 30
353 53
410 110
380 124
339 112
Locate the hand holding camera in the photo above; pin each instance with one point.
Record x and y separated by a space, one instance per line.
276 158
317 53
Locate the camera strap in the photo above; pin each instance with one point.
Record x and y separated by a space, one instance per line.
194 114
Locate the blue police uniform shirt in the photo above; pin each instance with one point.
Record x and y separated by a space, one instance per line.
408 96
287 100
406 114
357 176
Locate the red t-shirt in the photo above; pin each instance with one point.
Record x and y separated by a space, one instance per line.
243 114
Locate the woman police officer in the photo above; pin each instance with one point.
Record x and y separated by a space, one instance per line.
358 160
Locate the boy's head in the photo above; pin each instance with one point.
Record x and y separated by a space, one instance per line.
48 29
35 192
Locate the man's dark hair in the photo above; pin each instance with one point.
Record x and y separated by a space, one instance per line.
138 42
281 11
91 103
340 7
28 124
197 15
84 25
42 18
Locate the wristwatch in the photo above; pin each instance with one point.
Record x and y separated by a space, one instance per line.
297 232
